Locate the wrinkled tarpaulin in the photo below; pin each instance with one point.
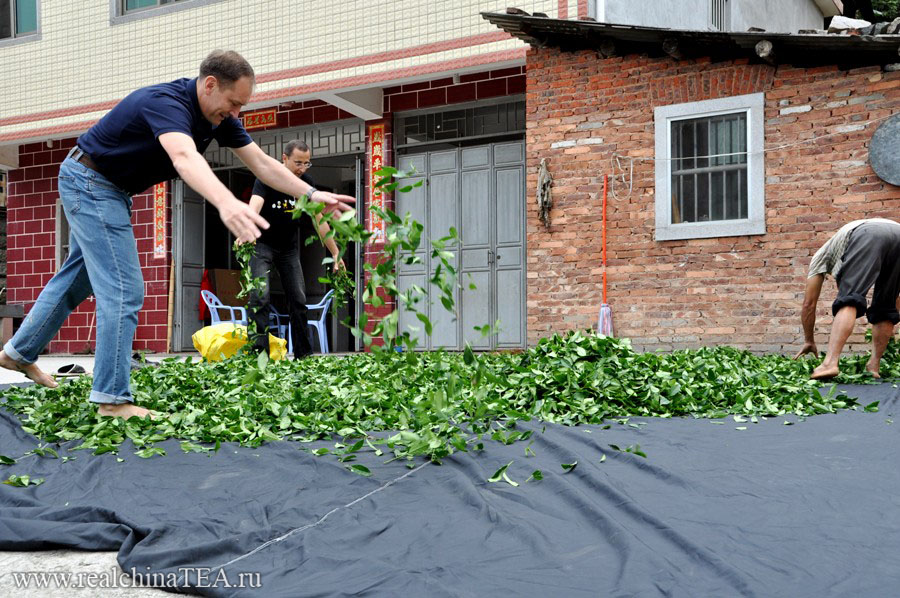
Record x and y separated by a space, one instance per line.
810 509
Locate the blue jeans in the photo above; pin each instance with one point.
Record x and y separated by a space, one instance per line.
102 260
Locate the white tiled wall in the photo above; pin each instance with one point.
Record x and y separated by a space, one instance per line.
81 58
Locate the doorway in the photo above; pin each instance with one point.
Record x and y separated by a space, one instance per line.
202 242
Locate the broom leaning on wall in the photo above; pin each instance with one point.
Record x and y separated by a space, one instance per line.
605 322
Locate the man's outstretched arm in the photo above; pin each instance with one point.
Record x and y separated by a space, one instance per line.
808 314
242 221
274 174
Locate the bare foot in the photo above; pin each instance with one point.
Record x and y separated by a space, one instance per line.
874 370
824 372
31 371
125 411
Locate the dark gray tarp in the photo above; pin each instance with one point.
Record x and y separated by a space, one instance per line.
809 509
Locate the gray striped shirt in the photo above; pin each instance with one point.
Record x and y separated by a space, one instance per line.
829 258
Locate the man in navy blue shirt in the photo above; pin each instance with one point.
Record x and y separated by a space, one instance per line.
279 247
156 133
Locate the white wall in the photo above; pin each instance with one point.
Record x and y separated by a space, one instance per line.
674 14
58 82
771 15
783 16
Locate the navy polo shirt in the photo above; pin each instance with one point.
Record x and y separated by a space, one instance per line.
124 143
282 231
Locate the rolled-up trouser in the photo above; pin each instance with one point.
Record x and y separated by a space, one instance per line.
872 257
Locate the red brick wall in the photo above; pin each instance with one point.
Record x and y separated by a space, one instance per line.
744 291
372 254
299 114
31 253
471 87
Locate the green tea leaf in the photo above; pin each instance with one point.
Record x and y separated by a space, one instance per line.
498 475
536 475
22 481
360 469
150 452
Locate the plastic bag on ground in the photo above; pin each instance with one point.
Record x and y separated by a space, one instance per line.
221 341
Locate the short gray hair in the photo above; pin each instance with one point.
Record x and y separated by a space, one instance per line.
227 66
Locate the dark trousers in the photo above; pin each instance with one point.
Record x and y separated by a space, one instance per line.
872 257
287 262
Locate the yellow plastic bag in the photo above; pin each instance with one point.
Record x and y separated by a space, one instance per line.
221 341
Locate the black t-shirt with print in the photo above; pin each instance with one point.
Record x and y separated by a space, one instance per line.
282 231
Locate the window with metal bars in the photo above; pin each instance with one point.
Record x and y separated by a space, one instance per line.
18 18
718 15
710 176
709 168
460 123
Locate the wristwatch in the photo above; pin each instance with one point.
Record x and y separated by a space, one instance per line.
309 193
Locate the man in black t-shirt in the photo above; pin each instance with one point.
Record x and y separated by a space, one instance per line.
279 246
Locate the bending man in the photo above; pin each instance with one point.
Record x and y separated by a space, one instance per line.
156 133
861 254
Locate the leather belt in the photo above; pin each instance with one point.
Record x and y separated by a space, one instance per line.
79 156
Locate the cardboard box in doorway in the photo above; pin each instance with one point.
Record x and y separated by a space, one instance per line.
226 285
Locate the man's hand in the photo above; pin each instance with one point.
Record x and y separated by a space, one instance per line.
274 174
334 202
242 220
338 264
807 348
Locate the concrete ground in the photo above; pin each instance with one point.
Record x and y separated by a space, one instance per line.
52 363
66 561
103 564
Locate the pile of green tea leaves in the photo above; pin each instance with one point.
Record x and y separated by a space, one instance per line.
432 403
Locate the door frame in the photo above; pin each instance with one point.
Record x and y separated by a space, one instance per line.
178 318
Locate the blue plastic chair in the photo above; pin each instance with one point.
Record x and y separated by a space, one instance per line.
281 323
319 324
214 305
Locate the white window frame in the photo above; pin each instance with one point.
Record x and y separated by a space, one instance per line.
755 223
118 15
18 38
